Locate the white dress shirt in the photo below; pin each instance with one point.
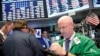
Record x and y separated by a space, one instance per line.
71 40
4 36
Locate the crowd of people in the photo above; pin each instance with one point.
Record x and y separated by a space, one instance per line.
23 42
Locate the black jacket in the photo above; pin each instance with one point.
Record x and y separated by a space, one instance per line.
98 26
22 44
1 42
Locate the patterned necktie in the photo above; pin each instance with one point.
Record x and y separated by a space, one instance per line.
67 44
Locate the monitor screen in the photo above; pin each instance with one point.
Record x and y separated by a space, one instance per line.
22 9
38 33
59 7
96 3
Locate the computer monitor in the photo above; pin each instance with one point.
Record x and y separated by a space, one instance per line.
60 7
22 9
38 33
96 3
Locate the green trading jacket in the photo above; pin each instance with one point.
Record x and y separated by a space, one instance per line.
83 46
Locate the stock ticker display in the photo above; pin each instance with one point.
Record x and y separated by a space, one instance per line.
22 9
59 7
33 9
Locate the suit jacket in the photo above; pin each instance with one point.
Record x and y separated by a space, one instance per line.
83 46
42 41
22 44
1 42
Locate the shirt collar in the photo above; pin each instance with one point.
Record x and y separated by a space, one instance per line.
2 32
71 38
4 36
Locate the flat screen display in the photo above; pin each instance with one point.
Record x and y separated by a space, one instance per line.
59 7
38 33
96 3
22 9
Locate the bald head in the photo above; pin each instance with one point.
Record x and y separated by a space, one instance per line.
66 26
65 19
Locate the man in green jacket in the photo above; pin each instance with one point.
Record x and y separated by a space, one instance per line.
79 45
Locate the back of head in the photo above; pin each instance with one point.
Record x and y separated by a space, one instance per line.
20 24
32 30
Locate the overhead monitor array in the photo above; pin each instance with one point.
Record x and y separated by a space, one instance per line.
21 9
59 7
34 9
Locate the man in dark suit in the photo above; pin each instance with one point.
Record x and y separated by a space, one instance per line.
22 43
5 28
44 40
1 42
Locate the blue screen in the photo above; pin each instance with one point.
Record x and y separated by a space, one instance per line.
38 33
22 9
96 3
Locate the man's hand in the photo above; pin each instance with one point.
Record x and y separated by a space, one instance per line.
58 49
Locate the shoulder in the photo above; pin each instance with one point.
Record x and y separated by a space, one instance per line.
40 38
83 38
20 33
